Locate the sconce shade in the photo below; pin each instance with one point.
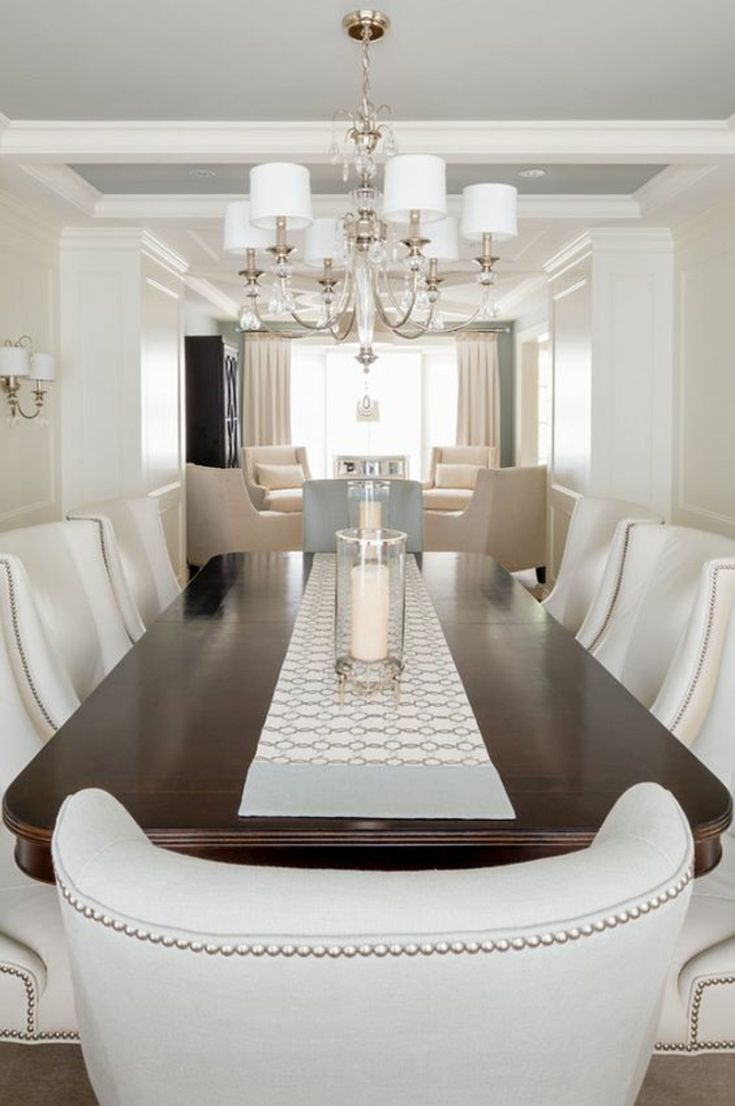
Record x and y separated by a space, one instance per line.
43 366
489 209
14 361
415 182
443 241
240 234
280 189
321 242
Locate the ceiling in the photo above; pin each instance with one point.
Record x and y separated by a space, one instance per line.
233 179
478 59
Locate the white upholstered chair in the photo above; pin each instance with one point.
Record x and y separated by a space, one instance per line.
506 518
645 599
266 490
699 1006
221 518
142 547
36 999
444 491
81 594
203 983
590 535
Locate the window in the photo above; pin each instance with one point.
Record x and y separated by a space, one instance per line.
416 390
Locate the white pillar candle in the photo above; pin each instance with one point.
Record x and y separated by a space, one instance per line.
370 514
370 603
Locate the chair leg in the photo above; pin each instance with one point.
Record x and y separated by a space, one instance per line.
541 574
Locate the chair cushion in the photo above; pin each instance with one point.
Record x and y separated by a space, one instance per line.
446 499
466 455
276 477
284 500
457 476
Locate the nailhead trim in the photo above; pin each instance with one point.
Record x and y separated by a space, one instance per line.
695 1045
616 590
29 1033
19 645
438 948
705 646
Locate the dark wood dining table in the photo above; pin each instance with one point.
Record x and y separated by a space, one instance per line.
172 729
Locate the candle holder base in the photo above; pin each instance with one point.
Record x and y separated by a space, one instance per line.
368 679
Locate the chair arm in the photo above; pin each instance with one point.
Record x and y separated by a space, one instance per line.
257 495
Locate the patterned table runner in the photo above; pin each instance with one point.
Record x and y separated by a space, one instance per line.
421 758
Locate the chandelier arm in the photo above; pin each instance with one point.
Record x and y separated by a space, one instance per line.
335 317
348 330
272 330
383 314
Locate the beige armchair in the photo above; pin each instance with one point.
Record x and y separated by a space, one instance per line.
506 518
220 518
441 495
282 499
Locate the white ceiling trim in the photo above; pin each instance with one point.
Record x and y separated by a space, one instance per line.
67 184
581 142
214 295
136 239
669 184
158 206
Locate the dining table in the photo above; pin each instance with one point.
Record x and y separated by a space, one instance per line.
172 730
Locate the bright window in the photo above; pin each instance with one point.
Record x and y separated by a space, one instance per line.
416 390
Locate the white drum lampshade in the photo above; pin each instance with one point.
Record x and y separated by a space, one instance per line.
240 234
14 361
415 182
321 242
443 241
489 209
280 189
43 366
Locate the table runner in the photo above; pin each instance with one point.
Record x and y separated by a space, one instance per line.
421 758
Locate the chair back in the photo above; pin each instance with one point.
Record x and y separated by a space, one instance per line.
274 986
645 600
71 567
591 531
254 455
326 510
143 553
488 456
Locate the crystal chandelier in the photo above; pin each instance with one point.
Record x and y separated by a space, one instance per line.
381 261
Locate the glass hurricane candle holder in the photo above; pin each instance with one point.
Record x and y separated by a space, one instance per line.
368 504
370 609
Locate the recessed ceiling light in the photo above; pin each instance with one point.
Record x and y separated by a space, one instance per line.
532 173
201 172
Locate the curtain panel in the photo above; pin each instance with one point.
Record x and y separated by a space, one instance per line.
267 390
478 390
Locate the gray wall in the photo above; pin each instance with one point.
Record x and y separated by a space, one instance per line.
506 358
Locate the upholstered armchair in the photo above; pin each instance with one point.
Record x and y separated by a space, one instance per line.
453 474
221 518
272 476
506 517
518 984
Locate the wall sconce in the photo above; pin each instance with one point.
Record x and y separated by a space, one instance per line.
17 360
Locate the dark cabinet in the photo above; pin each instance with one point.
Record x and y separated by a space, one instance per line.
212 403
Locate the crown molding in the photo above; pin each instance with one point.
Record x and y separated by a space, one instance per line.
610 240
42 229
468 142
134 239
219 299
669 185
65 183
508 305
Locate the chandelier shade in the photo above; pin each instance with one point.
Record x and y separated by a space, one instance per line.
489 209
14 361
43 366
321 243
240 234
415 182
443 238
280 190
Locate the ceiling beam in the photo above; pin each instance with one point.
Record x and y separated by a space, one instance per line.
570 142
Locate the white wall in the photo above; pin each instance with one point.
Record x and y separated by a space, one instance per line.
612 346
122 318
29 451
704 397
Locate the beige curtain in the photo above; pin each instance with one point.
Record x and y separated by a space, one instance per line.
478 394
267 390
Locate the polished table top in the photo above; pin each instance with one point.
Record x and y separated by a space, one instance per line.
172 729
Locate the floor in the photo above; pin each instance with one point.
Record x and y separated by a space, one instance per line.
53 1075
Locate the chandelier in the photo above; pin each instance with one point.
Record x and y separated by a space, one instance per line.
380 263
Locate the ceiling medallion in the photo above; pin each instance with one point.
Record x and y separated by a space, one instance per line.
380 263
